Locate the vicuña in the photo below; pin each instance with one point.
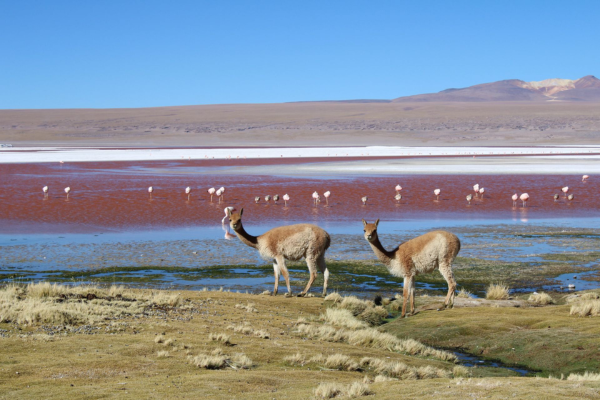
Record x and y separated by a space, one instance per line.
423 254
291 242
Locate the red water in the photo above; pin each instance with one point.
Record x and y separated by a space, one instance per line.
113 195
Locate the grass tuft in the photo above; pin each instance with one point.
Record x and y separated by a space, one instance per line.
586 308
334 297
497 291
221 337
328 390
587 376
541 299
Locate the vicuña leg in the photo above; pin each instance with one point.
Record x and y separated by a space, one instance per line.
276 272
284 271
412 296
312 269
406 293
323 268
446 270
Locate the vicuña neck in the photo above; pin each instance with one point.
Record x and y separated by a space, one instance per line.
246 238
382 254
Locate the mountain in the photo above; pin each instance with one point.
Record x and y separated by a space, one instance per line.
584 89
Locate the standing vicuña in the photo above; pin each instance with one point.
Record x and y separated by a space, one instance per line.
291 242
425 253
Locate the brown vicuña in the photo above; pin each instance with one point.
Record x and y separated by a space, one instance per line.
291 242
423 254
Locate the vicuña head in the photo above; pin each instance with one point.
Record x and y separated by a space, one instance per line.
235 220
370 231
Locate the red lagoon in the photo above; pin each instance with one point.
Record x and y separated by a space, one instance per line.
114 195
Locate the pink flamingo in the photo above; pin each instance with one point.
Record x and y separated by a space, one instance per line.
315 197
211 191
398 197
364 200
515 197
565 190
481 192
286 198
327 194
469 198
398 189
524 198
45 190
476 189
256 199
227 211
188 191
150 190
437 193
570 197
67 191
222 189
276 198
584 178
219 193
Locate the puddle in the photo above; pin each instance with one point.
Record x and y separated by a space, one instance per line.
473 361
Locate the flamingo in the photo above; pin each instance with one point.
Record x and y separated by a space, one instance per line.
211 191
327 194
226 210
398 188
364 200
469 198
398 197
556 196
219 193
286 198
45 190
476 189
565 190
150 190
315 196
267 198
256 199
188 191
515 197
524 198
67 191
481 192
276 198
222 189
570 197
437 193
584 178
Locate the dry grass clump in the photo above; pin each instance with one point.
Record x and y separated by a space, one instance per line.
460 371
464 294
162 354
590 296
587 376
497 291
248 330
373 315
383 378
297 359
218 360
221 337
328 390
64 305
399 370
358 389
341 362
343 318
585 308
248 307
159 339
355 305
266 293
541 298
334 297
373 338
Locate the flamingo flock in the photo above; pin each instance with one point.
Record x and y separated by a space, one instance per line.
478 193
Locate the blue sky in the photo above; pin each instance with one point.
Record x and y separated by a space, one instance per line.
103 54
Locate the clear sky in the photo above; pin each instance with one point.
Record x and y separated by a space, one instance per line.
128 53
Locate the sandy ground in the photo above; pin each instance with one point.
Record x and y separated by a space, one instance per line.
309 124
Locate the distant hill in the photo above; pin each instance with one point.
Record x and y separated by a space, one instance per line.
584 89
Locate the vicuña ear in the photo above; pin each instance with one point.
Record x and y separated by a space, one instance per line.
228 212
364 222
377 222
241 212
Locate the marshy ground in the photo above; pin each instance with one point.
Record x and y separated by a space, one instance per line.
88 342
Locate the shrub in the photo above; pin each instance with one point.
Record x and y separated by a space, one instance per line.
585 308
328 390
540 298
